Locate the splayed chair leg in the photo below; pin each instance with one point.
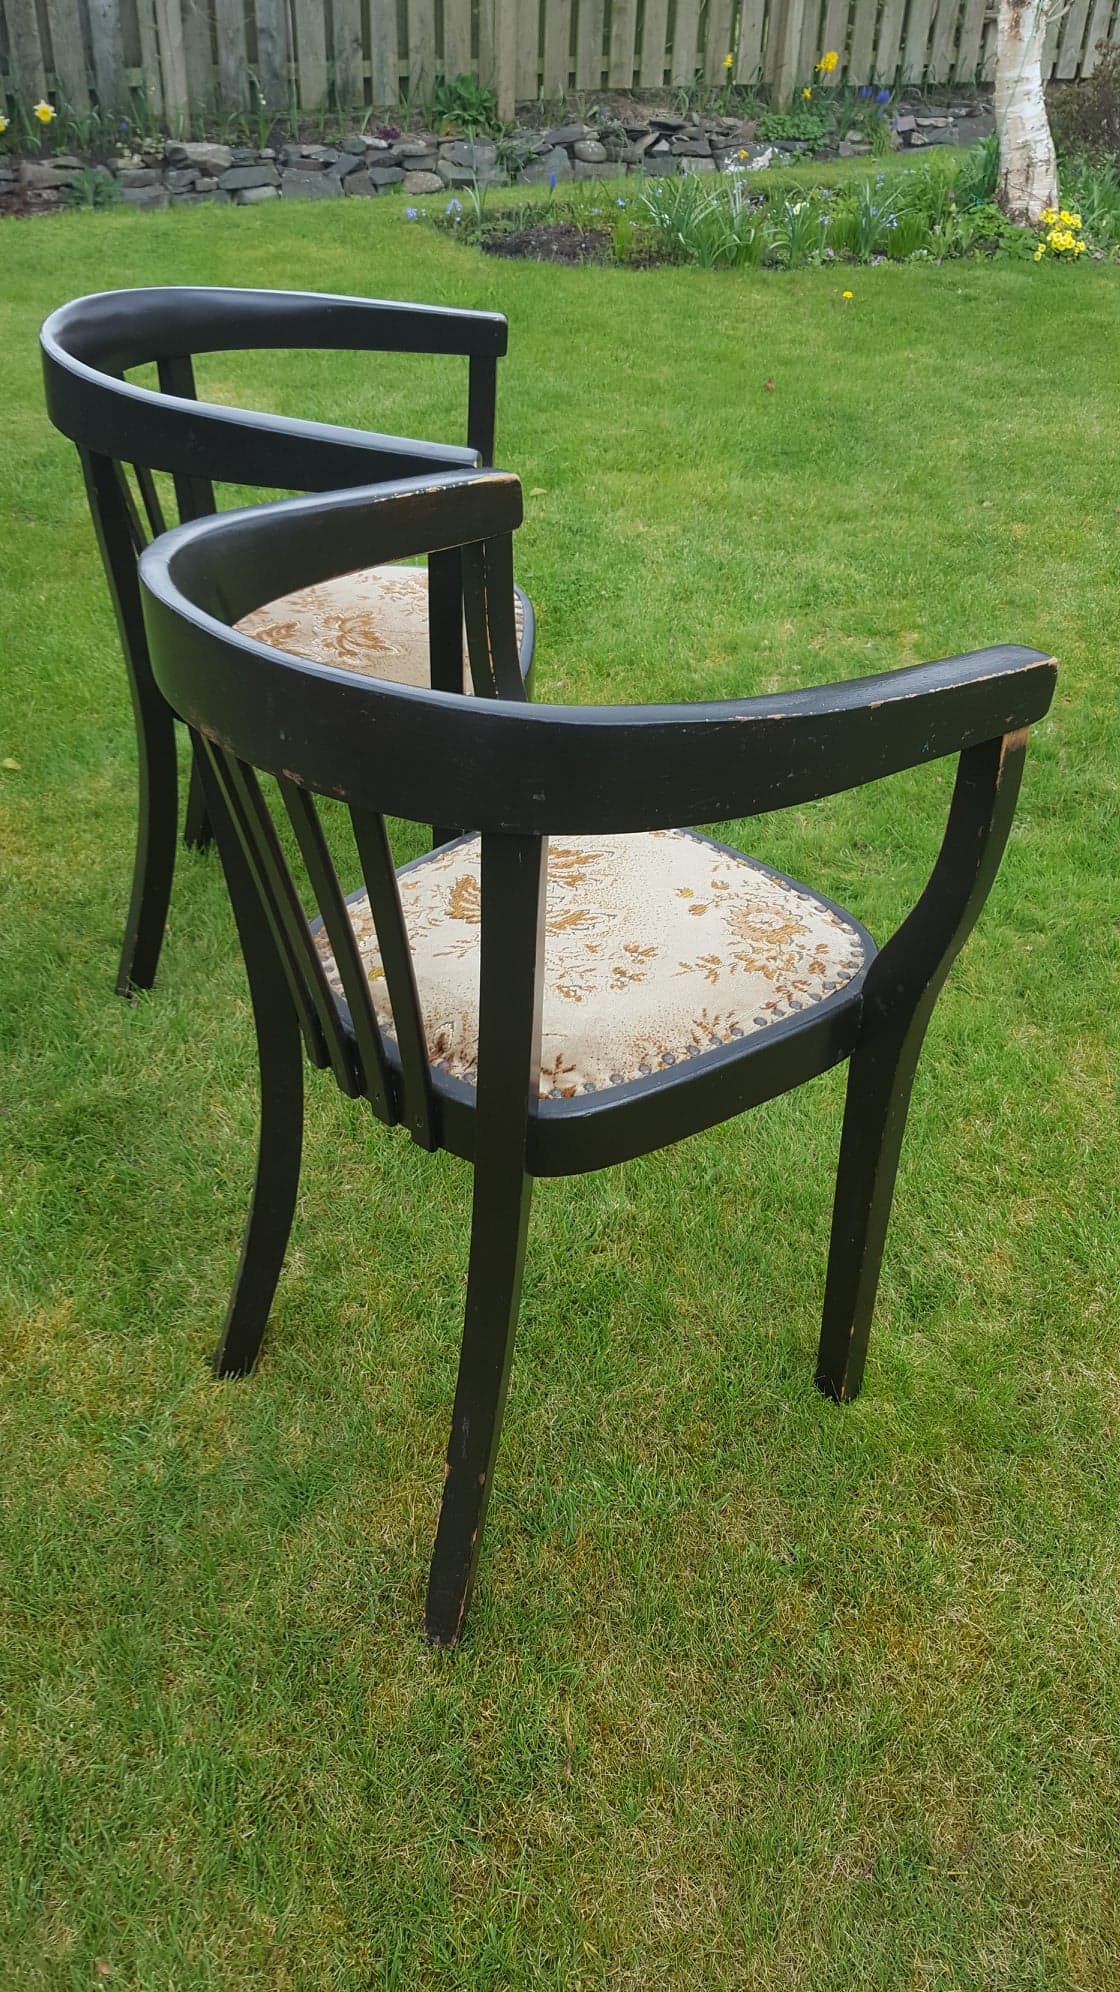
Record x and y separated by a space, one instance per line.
154 865
498 1231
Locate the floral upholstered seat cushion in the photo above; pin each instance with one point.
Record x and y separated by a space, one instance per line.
658 947
374 621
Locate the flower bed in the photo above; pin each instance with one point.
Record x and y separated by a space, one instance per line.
936 211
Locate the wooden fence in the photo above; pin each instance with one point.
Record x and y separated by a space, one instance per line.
191 59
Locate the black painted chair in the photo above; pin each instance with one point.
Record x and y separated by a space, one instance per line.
376 621
579 980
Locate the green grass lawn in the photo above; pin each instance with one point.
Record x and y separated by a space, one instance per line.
757 1692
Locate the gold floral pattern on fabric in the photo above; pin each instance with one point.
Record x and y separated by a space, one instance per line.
658 947
374 621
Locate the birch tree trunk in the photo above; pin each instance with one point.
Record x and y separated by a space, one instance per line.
1028 167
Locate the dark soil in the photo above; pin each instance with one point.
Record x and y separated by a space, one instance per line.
553 242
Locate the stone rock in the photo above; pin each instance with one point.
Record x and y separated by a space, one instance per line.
253 196
422 183
692 163
590 151
932 124
311 187
639 145
388 176
568 134
693 146
356 146
463 176
415 148
556 162
660 145
349 163
659 165
244 155
596 169
205 184
970 129
196 199
376 144
140 176
358 183
44 178
480 155
177 179
243 179
146 197
297 155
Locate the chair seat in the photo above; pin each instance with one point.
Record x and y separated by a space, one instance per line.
658 947
374 621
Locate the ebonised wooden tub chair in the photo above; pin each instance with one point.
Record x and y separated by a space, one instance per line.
377 620
446 994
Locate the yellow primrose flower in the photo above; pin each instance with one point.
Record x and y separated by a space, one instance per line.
3 124
806 94
1040 252
1048 217
828 62
847 296
1072 220
45 112
728 61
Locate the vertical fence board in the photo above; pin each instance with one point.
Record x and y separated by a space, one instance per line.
25 53
1073 34
107 44
1097 32
988 51
968 50
719 40
497 51
916 43
349 84
309 20
861 43
199 53
590 23
272 51
748 53
422 47
384 54
233 57
813 45
1055 18
557 39
150 76
943 47
457 37
834 34
172 65
889 44
655 35
67 53
624 21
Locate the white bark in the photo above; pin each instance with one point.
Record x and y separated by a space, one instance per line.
1028 167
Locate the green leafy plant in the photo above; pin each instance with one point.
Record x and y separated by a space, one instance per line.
805 127
465 104
93 187
1085 118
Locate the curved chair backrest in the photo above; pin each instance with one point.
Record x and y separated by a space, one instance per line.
121 426
512 771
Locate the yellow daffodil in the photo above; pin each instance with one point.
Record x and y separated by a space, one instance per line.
828 62
3 124
729 61
806 94
847 296
45 112
744 155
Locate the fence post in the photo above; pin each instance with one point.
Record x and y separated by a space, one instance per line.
784 49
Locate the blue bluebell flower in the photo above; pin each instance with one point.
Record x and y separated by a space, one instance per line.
865 89
552 181
454 207
882 96
410 214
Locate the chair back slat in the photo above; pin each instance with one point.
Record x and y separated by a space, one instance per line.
487 568
445 620
303 966
153 509
482 397
194 496
304 817
376 858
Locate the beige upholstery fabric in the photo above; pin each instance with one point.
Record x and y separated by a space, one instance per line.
658 947
374 621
